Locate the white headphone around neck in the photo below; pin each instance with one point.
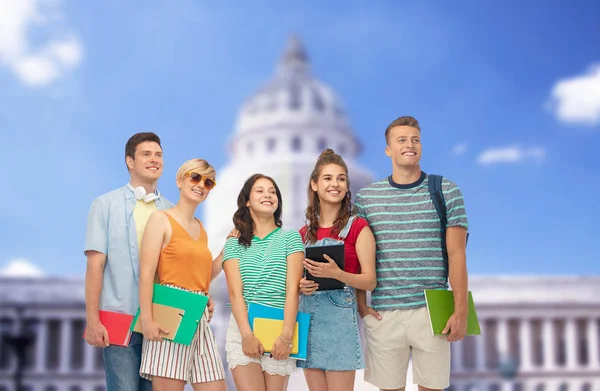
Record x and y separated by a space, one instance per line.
140 194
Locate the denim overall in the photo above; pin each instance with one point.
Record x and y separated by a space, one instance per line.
333 336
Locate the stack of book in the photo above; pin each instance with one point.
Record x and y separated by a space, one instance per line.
176 310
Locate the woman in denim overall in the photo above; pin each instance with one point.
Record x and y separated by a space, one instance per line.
334 349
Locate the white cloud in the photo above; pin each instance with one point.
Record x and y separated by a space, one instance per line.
58 54
510 154
576 100
21 268
459 149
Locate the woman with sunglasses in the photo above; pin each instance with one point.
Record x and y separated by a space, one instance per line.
263 266
175 252
334 352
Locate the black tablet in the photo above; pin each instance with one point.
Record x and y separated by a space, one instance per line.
335 251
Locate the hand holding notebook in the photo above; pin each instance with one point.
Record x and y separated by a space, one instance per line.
153 331
266 323
268 331
320 254
177 310
440 306
112 330
166 321
252 347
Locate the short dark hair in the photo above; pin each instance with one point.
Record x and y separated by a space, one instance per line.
402 121
136 140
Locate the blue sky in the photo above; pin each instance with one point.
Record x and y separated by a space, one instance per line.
507 94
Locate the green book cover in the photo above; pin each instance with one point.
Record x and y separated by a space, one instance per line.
191 303
440 305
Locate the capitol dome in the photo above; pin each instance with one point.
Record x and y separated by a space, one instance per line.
296 100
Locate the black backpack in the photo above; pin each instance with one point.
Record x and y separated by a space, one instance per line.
437 196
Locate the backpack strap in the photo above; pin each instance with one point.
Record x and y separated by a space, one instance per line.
342 235
437 196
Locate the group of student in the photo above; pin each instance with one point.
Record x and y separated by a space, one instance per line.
393 247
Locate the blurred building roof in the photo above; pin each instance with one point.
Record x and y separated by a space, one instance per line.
492 290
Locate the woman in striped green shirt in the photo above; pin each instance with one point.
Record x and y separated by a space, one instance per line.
263 265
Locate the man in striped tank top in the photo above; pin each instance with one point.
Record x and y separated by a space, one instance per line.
409 260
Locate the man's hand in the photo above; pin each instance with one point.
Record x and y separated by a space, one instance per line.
364 311
456 328
96 334
211 308
308 287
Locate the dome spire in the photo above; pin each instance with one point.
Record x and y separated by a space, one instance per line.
294 58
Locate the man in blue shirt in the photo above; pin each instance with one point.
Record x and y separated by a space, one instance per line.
114 230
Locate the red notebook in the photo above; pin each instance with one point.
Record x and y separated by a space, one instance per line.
117 326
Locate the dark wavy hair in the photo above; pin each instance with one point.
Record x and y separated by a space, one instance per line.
242 220
313 211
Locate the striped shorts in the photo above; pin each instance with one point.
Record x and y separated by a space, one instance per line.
199 362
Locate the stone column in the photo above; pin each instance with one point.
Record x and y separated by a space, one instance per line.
480 352
593 344
41 346
549 347
65 344
502 338
571 343
89 358
525 359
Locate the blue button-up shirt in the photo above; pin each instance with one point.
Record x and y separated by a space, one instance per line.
111 231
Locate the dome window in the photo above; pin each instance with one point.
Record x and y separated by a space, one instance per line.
294 97
321 144
318 101
296 144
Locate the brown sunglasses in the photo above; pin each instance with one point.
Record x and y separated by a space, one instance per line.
196 178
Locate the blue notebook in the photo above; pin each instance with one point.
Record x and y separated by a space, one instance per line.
260 311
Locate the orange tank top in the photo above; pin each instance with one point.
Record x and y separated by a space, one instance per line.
185 262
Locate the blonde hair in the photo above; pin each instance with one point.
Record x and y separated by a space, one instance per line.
196 165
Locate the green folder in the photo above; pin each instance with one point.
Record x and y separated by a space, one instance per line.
192 304
440 305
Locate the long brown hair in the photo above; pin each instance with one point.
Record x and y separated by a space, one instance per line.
242 220
313 210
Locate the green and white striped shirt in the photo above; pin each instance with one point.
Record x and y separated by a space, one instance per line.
407 233
263 265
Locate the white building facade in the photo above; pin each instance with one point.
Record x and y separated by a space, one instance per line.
548 326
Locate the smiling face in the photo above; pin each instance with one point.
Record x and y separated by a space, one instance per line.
263 198
147 166
332 184
404 146
195 186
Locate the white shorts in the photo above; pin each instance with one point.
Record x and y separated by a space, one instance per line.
236 356
198 362
390 343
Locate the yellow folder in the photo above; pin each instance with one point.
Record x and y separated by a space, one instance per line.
268 330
